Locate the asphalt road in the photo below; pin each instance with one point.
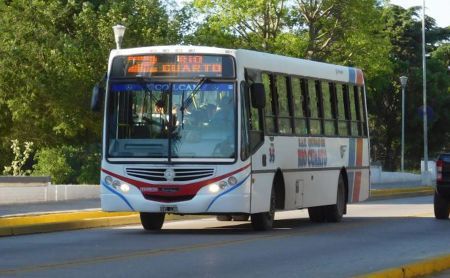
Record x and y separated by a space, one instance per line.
373 236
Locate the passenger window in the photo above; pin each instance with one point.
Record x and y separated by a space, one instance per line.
327 109
299 113
354 119
358 109
269 114
362 111
284 117
342 121
313 108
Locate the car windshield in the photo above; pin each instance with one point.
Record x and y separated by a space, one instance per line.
187 120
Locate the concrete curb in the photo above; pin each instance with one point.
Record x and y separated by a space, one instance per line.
377 194
420 268
22 225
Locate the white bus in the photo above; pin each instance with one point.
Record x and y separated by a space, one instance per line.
232 133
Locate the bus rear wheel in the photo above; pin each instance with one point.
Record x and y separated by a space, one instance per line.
331 213
334 213
317 214
243 217
152 221
223 217
263 221
441 206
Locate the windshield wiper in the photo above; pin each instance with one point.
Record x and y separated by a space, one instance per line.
186 103
190 98
144 84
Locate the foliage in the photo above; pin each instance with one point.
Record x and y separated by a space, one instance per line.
256 23
403 29
53 52
68 164
20 159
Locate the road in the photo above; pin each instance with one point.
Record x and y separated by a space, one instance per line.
373 236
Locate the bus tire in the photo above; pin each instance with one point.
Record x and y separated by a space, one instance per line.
441 206
222 217
334 213
152 221
317 214
243 217
264 221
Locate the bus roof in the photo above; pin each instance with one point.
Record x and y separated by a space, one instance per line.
260 61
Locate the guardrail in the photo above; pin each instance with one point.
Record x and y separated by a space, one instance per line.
17 190
12 180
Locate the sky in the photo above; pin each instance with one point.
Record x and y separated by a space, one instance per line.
437 9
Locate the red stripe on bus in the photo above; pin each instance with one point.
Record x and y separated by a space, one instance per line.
356 187
182 189
359 151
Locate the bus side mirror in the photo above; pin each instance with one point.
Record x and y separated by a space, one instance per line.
258 95
98 94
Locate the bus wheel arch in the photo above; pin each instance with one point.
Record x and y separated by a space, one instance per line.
280 191
344 175
264 220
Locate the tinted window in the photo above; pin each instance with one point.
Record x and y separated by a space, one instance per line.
340 98
283 106
327 109
445 157
313 108
354 123
298 100
362 111
269 115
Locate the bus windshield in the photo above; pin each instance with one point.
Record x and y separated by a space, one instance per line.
155 119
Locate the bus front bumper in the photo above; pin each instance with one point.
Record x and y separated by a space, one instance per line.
231 199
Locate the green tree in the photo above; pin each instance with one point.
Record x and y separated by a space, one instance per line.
53 52
344 32
257 24
403 29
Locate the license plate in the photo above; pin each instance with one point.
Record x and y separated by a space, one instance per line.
169 209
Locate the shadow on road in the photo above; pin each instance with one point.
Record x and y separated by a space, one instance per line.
295 225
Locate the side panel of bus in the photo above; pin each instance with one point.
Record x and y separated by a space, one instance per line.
310 167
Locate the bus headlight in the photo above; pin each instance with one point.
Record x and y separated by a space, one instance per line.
214 188
108 180
124 187
232 180
223 184
116 184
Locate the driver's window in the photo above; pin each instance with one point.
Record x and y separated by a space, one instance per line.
255 115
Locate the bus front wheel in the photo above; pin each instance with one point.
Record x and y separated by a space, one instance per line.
152 221
263 221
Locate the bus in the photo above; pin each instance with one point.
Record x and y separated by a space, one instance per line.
234 133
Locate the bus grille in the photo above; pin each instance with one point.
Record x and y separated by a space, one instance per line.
181 174
168 199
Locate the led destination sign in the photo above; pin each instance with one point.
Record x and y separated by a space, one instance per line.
170 65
